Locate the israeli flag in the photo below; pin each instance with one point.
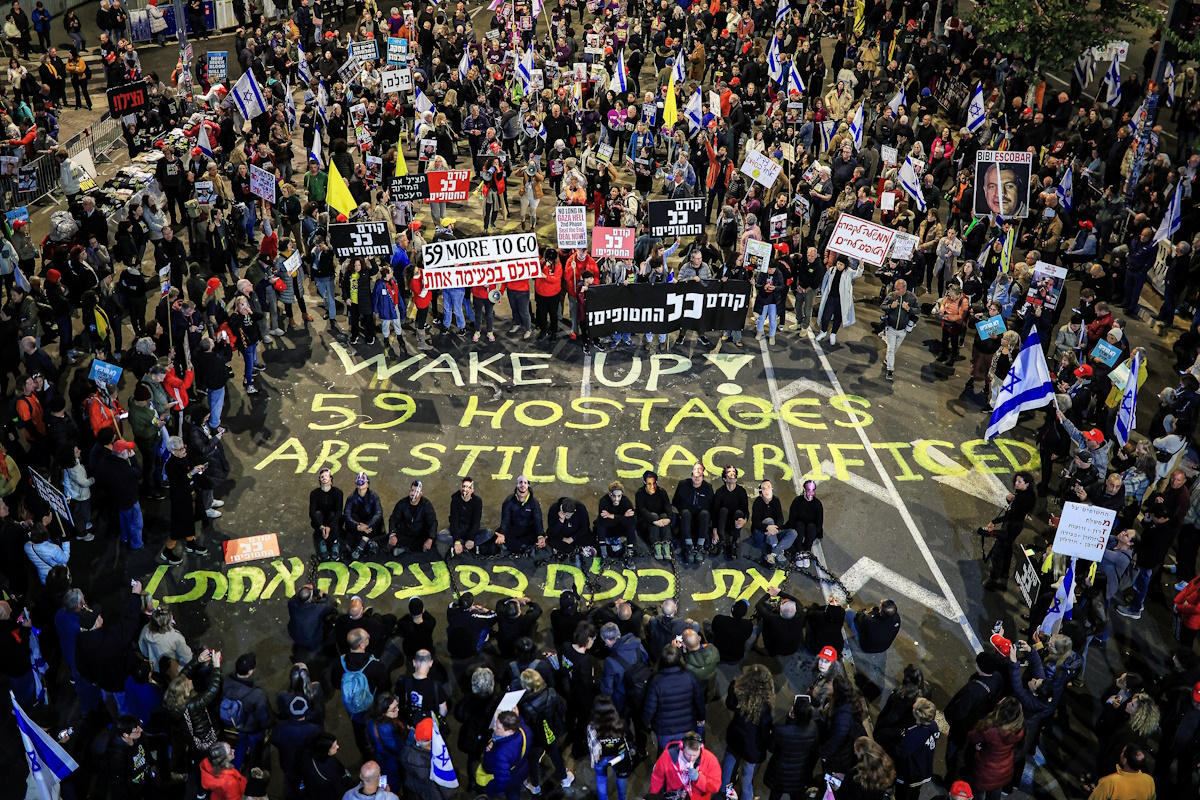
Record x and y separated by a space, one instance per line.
48 762
538 8
1113 77
774 65
441 768
1169 82
1064 601
542 131
464 64
422 103
781 11
1085 68
694 111
896 102
204 141
315 153
856 127
1026 386
976 112
911 183
302 68
19 278
1127 413
248 97
1138 119
794 82
1066 189
828 129
323 102
289 105
617 84
525 67
677 68
1173 218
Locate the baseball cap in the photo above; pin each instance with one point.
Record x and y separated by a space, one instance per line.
416 225
1196 693
122 446
1083 371
1085 456
1002 645
425 730
213 284
361 479
961 790
449 221
1094 435
827 654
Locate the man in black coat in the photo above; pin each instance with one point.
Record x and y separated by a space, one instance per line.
128 766
252 715
92 222
412 527
782 628
692 504
306 622
102 652
974 701
874 629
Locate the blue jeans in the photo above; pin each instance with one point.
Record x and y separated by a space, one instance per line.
250 355
601 770
770 313
249 220
452 307
1141 586
325 289
783 540
519 301
728 764
216 404
247 745
1134 281
131 526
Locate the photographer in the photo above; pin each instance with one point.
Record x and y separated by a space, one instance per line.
1007 527
782 629
306 622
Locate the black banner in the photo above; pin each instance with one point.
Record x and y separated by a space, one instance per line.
128 99
360 239
677 217
666 307
408 187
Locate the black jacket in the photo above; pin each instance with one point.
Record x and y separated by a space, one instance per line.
746 740
253 700
306 621
876 630
192 716
102 655
325 778
325 509
212 367
413 525
128 770
793 756
466 517
674 702
781 637
692 498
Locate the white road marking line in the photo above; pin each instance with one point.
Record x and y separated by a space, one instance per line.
983 485
585 385
829 470
909 522
802 385
866 569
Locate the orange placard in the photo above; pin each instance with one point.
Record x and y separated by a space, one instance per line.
264 545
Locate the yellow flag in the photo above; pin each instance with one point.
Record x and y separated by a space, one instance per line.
338 193
401 164
860 14
670 112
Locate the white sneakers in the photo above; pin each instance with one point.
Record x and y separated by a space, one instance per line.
833 338
821 336
212 513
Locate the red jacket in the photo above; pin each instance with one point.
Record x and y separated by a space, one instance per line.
573 272
992 757
549 283
177 388
421 296
666 776
1099 328
229 785
1187 605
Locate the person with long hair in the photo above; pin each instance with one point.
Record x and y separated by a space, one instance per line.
387 734
162 645
219 776
751 698
993 743
897 713
1007 527
841 723
873 775
189 708
301 684
1130 721
608 744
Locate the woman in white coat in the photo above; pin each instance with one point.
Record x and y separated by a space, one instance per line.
838 281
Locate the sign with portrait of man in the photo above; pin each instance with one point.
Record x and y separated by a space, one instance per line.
1002 183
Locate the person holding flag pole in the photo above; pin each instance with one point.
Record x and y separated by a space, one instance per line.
49 764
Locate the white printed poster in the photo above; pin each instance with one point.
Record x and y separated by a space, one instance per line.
262 184
760 168
572 227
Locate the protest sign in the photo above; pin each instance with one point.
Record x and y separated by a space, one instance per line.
206 195
481 261
1002 179
20 213
292 263
404 188
1026 576
250 548
1083 531
861 239
667 307
612 242
571 222
1047 284
1106 353
50 493
888 154
364 51
397 50
680 217
395 80
127 99
990 328
903 246
360 239
761 168
218 66
103 371
449 187
262 184
758 255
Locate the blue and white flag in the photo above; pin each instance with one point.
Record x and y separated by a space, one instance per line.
856 127
617 84
542 130
827 128
525 67
977 111
694 112
423 103
441 768
677 69
538 8
289 106
1127 412
464 64
323 102
48 762
204 141
302 67
1138 119
1173 218
1085 68
19 278
911 183
1026 386
1169 82
781 11
1113 78
795 84
896 102
1064 601
248 97
1066 189
315 153
774 65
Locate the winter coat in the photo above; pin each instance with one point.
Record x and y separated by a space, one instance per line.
845 292
746 740
253 700
1187 605
666 776
991 762
793 756
102 654
193 715
229 785
506 760
674 702
46 556
417 783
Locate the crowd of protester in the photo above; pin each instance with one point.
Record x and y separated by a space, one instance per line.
806 686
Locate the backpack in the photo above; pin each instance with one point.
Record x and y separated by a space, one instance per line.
232 713
356 692
635 680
